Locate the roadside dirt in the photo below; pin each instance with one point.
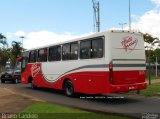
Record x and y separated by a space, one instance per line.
12 102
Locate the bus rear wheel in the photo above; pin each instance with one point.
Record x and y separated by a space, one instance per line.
69 88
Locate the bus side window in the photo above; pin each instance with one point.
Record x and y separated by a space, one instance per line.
55 53
58 53
23 63
97 48
85 49
42 55
32 56
66 52
74 51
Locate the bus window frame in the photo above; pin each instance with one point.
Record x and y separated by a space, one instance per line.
45 55
50 59
91 49
35 57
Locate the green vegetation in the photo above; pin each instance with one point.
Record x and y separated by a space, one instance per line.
150 45
50 111
9 53
48 108
152 90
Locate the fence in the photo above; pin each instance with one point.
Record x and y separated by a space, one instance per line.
153 71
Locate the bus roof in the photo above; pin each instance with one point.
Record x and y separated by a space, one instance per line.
97 34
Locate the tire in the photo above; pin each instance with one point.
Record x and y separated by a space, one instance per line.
32 85
69 88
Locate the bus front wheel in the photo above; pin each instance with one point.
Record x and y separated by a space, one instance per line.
33 85
69 88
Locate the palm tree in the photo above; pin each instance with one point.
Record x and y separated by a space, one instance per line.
3 40
16 50
150 44
151 41
2 36
5 54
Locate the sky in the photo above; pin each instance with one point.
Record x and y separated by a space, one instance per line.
43 22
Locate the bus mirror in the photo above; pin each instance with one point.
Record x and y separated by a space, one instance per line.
20 58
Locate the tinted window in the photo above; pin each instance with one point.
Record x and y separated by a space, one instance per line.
74 51
23 64
55 53
85 49
24 61
91 48
42 55
32 57
97 48
66 52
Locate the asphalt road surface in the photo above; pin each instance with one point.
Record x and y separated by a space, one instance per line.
132 105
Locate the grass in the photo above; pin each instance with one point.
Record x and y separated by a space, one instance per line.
152 90
50 111
50 108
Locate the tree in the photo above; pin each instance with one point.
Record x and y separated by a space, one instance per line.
157 54
15 51
150 45
3 40
150 40
5 54
150 56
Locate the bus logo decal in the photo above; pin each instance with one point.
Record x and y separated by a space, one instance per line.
129 43
35 69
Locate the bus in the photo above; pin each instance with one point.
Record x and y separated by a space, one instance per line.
101 63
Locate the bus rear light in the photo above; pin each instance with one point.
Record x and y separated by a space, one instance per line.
111 80
110 66
111 73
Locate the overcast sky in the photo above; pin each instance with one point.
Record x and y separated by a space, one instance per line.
48 21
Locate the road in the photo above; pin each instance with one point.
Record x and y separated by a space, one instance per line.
132 105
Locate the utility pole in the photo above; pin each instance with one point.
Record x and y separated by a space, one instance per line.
96 9
129 15
156 67
22 37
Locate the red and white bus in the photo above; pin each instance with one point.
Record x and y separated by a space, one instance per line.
101 63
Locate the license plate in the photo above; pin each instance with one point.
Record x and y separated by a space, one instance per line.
132 87
6 76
